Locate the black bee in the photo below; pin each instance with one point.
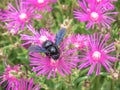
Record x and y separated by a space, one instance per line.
48 47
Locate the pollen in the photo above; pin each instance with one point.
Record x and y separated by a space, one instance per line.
43 38
40 1
94 16
96 55
22 16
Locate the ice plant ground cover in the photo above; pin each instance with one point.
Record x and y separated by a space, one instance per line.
60 45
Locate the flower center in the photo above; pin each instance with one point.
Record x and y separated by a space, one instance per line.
22 16
94 16
98 1
76 45
12 73
43 38
40 1
53 62
96 55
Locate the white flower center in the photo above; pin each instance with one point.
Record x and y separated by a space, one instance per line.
76 45
40 1
43 38
94 16
11 73
96 55
98 1
22 16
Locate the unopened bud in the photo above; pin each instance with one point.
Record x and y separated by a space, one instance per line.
115 74
87 84
65 7
1 53
66 24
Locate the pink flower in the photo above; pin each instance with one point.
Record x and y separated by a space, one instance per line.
38 37
10 76
98 54
25 84
94 14
17 18
47 66
41 5
78 41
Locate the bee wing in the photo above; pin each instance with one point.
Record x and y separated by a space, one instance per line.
59 36
37 49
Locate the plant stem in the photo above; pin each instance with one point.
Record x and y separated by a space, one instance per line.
117 57
112 85
60 6
73 4
70 86
98 80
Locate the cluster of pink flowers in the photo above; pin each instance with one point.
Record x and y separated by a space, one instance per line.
13 77
21 15
44 64
9 77
94 50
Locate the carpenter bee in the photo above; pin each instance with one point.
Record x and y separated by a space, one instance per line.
48 47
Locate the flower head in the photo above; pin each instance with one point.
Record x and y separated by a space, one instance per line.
98 54
10 76
17 17
93 13
41 5
47 66
78 41
25 84
38 37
